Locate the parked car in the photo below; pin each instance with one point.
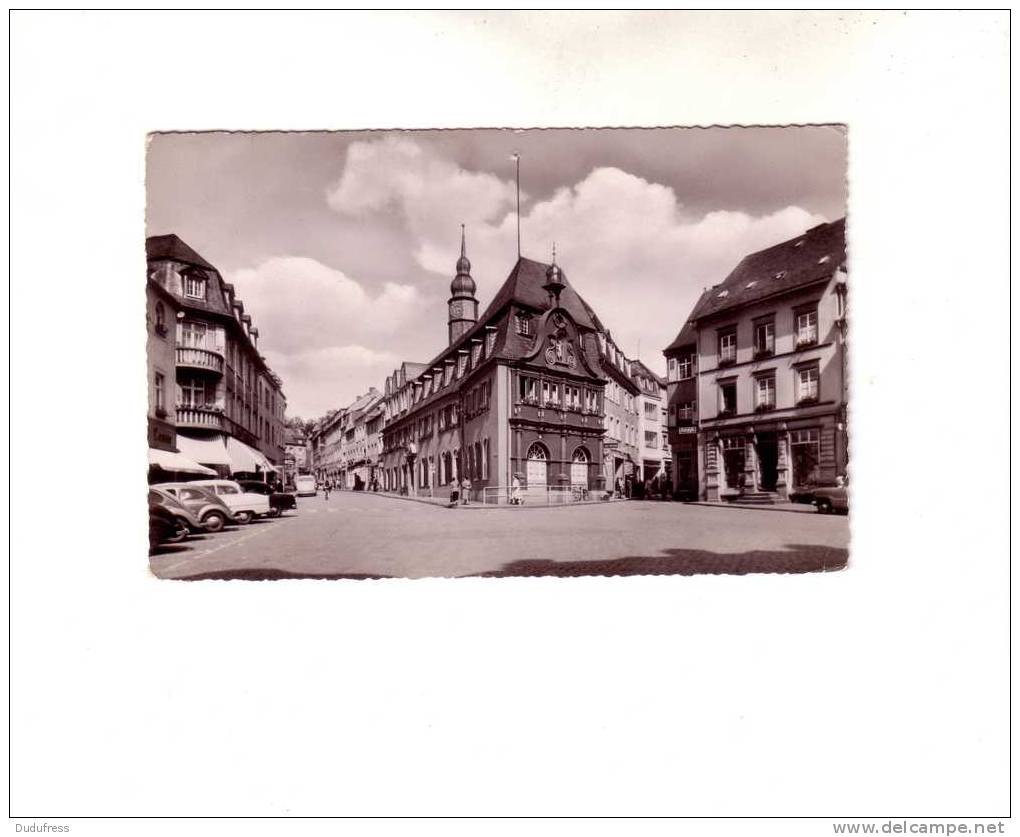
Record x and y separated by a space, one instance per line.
829 499
279 501
803 494
165 526
161 498
245 505
306 486
202 502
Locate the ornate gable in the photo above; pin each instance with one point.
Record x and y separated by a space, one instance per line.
559 346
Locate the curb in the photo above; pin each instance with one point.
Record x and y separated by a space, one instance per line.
483 506
749 507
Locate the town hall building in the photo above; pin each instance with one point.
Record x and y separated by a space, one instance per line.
514 402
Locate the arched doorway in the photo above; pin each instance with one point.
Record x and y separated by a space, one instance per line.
579 468
538 460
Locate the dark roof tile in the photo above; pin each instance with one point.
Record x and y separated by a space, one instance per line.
808 258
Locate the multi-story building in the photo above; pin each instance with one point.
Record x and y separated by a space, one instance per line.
356 459
653 449
374 421
161 355
766 349
295 456
325 443
621 463
517 393
229 408
682 412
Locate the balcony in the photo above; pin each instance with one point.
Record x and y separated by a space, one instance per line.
200 359
209 418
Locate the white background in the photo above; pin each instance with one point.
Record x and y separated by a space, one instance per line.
880 691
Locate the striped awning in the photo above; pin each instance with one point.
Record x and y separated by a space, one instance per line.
172 461
208 451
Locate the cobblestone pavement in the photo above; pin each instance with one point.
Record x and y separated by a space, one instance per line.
355 535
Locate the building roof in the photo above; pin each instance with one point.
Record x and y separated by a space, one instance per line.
172 247
219 299
803 260
688 334
524 286
638 368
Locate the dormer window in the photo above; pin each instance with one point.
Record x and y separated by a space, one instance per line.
194 286
490 341
522 323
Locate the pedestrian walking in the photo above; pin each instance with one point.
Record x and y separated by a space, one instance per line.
515 491
325 490
465 487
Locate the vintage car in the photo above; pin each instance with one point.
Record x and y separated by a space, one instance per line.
165 526
203 503
245 505
158 497
830 499
279 501
306 486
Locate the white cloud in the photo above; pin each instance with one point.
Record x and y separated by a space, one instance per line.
305 304
625 243
323 334
432 193
319 380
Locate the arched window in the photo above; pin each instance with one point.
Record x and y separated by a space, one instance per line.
579 467
537 468
479 470
160 319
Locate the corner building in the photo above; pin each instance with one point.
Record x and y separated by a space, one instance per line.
759 373
517 392
229 408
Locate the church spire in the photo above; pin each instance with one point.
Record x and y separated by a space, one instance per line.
463 307
463 265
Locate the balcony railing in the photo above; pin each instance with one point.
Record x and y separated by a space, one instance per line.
200 358
191 416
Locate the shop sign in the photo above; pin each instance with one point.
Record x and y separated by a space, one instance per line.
687 429
161 436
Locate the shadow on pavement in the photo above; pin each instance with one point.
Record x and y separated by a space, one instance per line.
797 558
169 549
269 574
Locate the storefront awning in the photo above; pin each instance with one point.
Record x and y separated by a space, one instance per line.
246 459
173 461
209 451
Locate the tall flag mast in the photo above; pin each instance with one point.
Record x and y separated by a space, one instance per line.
517 159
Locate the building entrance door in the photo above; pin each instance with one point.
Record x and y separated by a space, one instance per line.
537 460
733 461
768 461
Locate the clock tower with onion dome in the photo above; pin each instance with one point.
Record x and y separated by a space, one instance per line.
463 307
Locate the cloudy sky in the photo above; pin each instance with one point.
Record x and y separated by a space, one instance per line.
343 245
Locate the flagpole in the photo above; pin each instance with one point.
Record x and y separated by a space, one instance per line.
517 158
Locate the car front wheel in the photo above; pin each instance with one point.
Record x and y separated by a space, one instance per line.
214 521
243 517
824 506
